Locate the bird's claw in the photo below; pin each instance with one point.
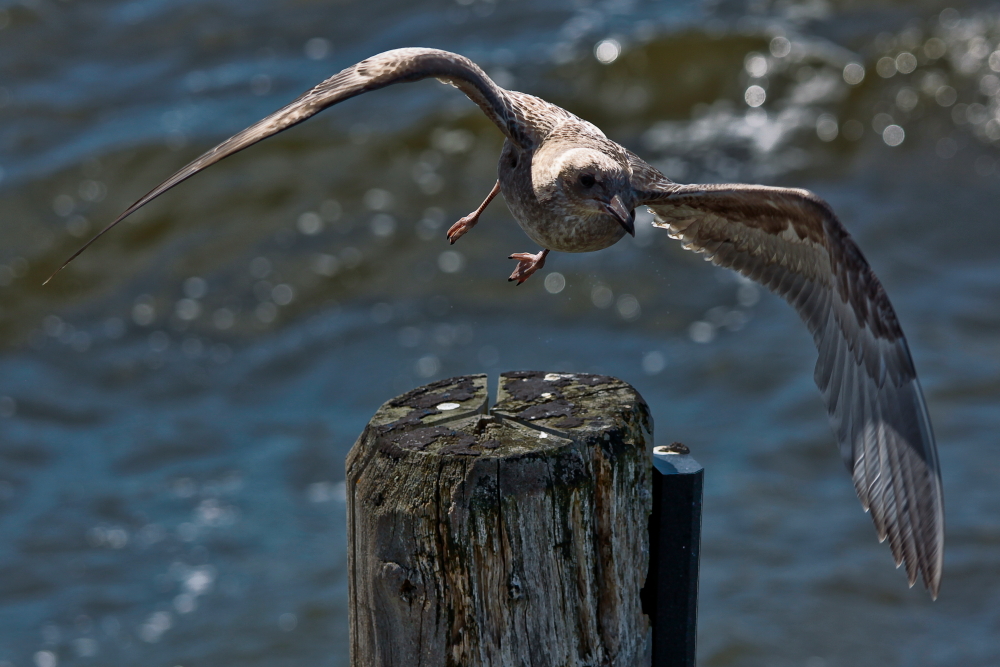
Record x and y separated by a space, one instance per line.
527 264
460 228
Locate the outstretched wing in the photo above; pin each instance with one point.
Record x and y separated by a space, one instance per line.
385 69
791 242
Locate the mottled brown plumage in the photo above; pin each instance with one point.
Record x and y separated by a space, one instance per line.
573 190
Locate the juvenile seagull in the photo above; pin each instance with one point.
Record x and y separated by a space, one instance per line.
572 189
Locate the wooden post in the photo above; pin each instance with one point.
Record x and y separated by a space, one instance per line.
509 537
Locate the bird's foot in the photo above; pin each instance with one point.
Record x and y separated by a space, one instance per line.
527 264
460 228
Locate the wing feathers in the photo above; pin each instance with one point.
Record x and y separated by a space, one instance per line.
791 242
385 69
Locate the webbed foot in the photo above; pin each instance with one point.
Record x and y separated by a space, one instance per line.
459 229
527 264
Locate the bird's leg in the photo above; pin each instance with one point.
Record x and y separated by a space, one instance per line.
527 264
457 230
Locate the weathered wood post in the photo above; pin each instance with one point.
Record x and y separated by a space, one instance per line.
503 537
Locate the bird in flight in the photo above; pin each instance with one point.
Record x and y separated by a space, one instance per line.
571 189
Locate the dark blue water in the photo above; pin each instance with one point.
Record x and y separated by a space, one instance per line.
176 407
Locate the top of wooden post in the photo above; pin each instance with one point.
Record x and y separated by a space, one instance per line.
569 406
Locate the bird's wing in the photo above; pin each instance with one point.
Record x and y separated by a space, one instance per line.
791 242
385 69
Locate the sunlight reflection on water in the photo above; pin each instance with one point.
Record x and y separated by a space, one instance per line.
174 413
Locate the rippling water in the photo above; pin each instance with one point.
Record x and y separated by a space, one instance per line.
176 407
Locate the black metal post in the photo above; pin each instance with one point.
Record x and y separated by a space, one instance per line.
670 596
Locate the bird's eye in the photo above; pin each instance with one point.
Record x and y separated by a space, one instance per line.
587 180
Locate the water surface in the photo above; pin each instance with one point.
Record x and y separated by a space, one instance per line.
176 407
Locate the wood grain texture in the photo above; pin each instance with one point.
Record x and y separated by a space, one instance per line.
510 537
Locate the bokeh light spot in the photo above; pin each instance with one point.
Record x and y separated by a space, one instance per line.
886 67
555 282
906 62
317 48
826 127
893 135
653 363
451 261
755 65
780 47
755 96
854 73
602 296
607 51
702 332
628 307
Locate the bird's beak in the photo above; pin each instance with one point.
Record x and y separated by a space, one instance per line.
624 217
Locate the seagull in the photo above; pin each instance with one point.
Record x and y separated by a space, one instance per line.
571 189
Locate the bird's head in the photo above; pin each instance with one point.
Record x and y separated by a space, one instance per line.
585 182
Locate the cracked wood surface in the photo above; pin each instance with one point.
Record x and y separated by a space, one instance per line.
505 537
